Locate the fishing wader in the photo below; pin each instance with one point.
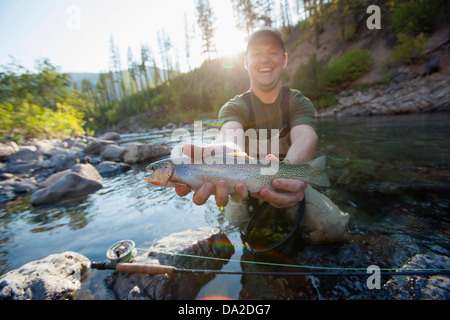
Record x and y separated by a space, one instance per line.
317 218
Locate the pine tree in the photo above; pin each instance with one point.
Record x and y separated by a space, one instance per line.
251 14
165 46
116 67
132 71
205 20
245 15
187 42
145 58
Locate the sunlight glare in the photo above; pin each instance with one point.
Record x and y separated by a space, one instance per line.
228 39
229 42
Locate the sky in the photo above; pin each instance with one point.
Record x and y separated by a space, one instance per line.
75 34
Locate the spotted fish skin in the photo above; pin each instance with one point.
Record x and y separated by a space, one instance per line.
195 172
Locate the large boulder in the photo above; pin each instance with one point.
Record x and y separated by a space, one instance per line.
77 182
56 277
172 250
436 287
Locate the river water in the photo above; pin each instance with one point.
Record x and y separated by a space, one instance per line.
392 174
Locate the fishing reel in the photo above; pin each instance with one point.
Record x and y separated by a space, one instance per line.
122 251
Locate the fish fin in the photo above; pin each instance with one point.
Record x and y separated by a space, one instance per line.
239 155
318 175
236 197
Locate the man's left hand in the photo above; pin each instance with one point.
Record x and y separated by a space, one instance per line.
288 192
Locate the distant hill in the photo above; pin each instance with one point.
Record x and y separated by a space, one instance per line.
77 77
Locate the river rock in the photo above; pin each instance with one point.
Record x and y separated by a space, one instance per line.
206 241
114 136
56 277
432 66
63 161
46 147
138 152
11 185
113 152
80 181
8 148
95 146
22 161
16 184
109 168
25 155
436 287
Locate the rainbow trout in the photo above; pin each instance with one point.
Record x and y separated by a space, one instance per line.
254 174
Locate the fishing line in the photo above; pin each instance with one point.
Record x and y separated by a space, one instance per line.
154 269
124 251
342 269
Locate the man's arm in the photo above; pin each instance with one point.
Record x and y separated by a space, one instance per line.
303 144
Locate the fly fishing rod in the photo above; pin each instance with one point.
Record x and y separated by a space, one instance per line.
120 253
154 269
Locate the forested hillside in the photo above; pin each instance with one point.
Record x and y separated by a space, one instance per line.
330 47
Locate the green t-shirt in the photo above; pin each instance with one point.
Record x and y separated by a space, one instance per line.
269 116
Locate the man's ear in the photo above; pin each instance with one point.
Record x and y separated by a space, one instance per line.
285 60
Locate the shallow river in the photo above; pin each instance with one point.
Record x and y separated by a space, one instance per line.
392 174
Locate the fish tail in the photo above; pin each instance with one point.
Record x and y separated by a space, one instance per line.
316 169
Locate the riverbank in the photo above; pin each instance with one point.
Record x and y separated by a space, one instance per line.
406 93
61 170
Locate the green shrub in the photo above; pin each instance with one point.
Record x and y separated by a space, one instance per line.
39 104
27 120
347 68
409 48
415 16
318 81
327 100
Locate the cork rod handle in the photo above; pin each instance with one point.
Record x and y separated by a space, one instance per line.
144 268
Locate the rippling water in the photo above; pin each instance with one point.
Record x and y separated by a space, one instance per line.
392 174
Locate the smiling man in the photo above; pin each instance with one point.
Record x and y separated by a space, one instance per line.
260 108
266 106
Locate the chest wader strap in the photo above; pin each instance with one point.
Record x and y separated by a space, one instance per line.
251 202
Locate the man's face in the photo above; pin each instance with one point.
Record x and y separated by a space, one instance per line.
265 61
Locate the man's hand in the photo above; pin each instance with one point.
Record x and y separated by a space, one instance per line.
287 194
207 189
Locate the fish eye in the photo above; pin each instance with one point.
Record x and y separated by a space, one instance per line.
151 168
